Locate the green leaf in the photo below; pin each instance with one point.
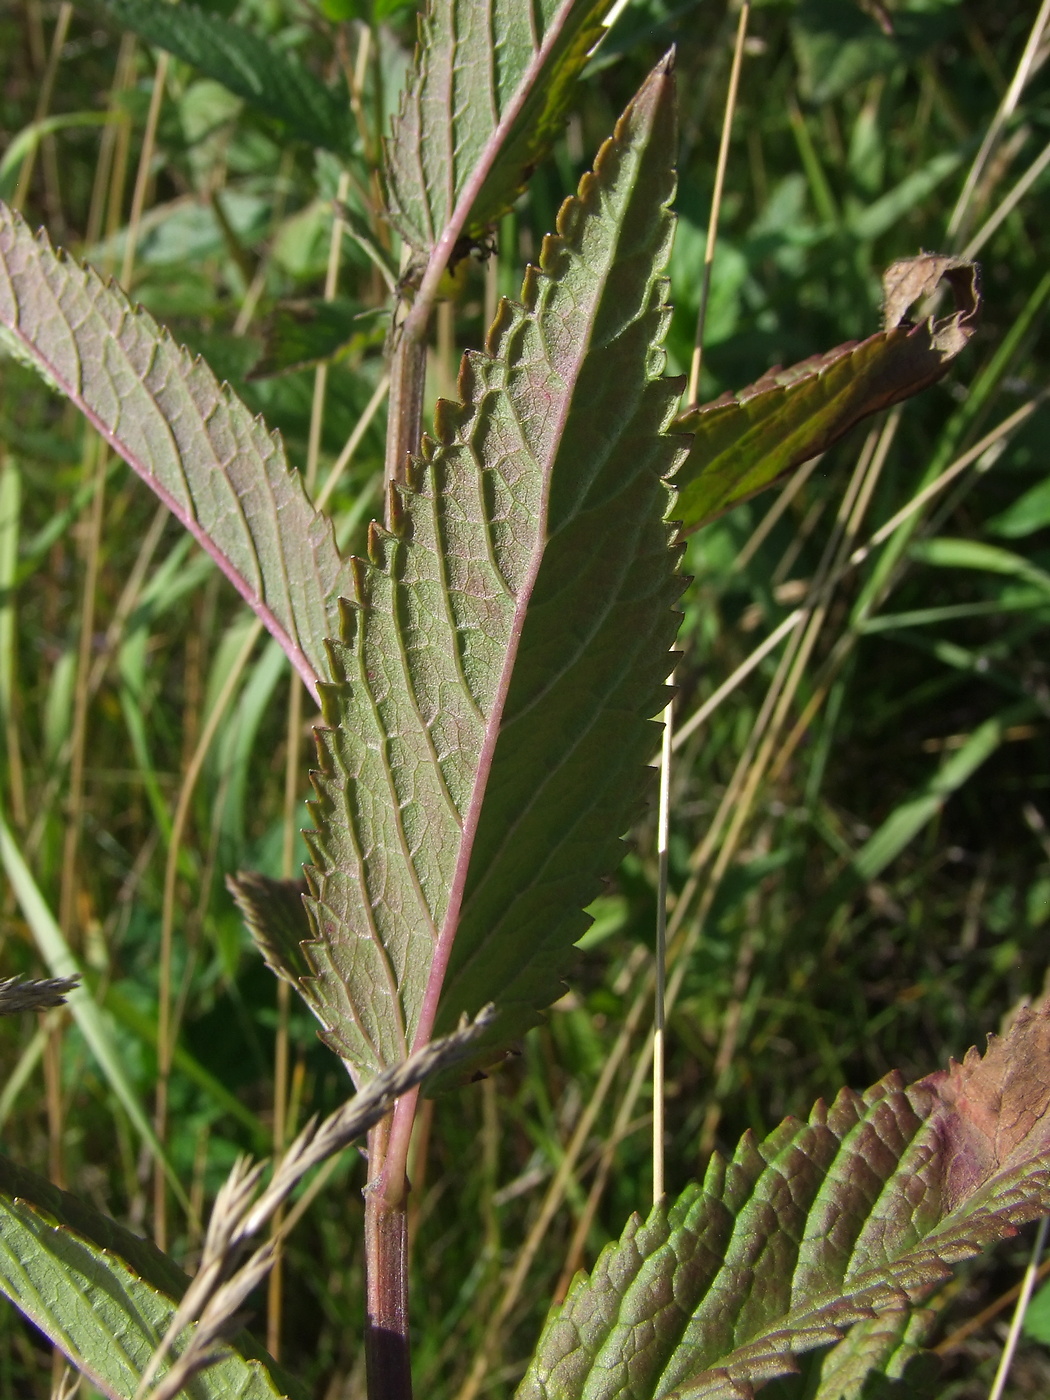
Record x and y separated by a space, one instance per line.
27 141
488 97
247 64
1037 1316
92 1022
218 469
277 921
837 47
105 1297
489 739
747 441
144 1026
875 219
878 1359
910 816
855 1215
304 332
947 553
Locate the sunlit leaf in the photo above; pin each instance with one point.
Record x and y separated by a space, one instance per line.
490 91
105 1297
488 744
218 469
747 441
854 1216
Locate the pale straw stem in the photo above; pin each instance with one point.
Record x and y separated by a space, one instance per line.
43 101
353 442
1007 107
138 199
1017 1322
663 825
1009 204
716 200
949 474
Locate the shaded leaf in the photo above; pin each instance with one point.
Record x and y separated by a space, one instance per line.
104 1296
879 1358
304 332
218 469
837 46
488 97
489 739
277 921
875 219
909 817
855 1215
247 64
747 441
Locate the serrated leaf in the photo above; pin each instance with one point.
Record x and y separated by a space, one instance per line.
247 64
218 469
277 921
105 1297
745 442
489 739
488 97
879 1358
854 1215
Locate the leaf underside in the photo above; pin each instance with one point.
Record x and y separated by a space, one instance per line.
218 469
249 65
745 442
488 743
490 90
105 1297
852 1217
277 921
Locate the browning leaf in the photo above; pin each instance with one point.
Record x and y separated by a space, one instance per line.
856 1214
995 1106
747 441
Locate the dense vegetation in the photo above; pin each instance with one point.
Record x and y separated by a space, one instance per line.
859 856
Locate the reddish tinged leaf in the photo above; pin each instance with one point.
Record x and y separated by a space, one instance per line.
996 1107
747 441
216 467
855 1215
488 98
490 725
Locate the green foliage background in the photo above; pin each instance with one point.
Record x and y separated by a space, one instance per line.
812 959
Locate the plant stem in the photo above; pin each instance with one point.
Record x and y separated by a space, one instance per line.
389 1373
408 372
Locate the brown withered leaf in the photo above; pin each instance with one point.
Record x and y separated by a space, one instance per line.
995 1108
912 280
748 441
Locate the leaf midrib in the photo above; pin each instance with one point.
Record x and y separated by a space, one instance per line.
187 517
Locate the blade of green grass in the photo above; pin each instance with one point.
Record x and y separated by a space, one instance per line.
91 1020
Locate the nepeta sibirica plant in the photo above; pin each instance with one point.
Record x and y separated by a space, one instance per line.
488 677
